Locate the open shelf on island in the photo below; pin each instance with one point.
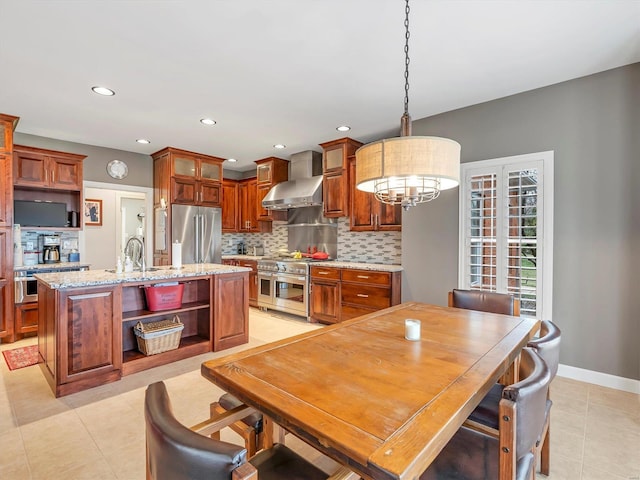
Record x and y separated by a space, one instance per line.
134 361
140 314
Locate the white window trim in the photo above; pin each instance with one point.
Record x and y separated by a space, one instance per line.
485 166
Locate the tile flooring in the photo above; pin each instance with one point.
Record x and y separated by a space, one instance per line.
99 433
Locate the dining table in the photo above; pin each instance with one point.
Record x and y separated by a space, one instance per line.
361 393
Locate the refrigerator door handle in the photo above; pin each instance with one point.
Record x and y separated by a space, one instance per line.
202 230
196 226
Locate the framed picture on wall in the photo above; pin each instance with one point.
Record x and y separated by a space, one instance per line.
92 212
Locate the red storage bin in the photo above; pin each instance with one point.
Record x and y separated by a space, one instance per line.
164 297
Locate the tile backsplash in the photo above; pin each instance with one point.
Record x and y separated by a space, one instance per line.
68 241
368 247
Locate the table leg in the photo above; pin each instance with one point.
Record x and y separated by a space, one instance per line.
273 433
511 375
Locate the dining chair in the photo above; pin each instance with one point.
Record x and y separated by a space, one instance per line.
176 452
507 453
493 302
486 414
249 428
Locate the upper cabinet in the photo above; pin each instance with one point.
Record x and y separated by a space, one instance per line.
230 210
248 208
368 213
39 168
335 169
193 179
7 125
269 172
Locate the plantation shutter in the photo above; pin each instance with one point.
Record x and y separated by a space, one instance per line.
502 230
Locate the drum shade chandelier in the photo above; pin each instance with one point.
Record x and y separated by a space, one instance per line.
408 170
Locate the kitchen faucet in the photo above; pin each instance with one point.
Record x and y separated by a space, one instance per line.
140 260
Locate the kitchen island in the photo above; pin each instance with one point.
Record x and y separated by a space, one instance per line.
86 320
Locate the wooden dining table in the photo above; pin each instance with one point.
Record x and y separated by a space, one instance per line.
362 394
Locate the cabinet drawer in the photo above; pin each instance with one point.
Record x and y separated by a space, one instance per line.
350 311
328 273
366 276
368 296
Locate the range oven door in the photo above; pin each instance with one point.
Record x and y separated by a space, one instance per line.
265 289
291 293
26 289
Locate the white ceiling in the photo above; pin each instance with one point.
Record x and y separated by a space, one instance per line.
285 71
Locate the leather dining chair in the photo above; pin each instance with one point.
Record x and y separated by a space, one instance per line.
507 453
249 428
493 302
486 414
175 452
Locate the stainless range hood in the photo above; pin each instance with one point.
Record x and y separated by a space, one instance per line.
305 187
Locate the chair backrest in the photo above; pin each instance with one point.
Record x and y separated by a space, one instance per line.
485 301
174 452
547 345
530 398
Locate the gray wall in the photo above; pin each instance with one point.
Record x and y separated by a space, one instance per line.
593 126
95 165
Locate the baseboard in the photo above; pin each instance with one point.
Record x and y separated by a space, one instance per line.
598 378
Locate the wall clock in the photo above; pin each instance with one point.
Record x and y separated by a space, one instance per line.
117 169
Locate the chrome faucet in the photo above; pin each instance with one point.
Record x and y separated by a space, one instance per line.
140 260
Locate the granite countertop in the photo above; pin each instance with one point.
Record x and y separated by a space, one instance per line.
46 266
238 256
380 267
92 278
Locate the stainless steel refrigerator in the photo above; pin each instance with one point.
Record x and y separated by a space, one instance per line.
199 229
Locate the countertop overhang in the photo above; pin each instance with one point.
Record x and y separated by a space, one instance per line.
92 278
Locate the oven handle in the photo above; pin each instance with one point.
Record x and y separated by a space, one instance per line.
19 289
286 277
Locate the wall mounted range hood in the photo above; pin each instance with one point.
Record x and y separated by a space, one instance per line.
305 187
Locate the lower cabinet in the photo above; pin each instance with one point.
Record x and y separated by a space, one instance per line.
26 319
78 337
341 294
231 310
253 280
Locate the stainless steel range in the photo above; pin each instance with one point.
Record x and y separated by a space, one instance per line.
283 284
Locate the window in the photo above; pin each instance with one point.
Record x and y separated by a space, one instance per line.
506 229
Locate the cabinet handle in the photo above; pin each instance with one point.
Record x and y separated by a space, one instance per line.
46 175
377 221
363 276
323 273
53 176
362 295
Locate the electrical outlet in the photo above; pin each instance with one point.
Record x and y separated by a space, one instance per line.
29 245
66 244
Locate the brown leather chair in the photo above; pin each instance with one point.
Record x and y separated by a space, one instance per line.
485 301
507 454
486 414
175 452
249 428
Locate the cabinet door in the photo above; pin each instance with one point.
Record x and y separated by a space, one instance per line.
65 174
30 169
335 194
230 310
26 319
253 280
263 213
325 301
389 217
90 322
184 166
6 284
243 199
210 170
209 194
6 191
362 214
333 159
252 206
229 206
263 173
183 191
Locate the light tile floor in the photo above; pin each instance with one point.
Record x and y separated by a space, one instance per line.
99 433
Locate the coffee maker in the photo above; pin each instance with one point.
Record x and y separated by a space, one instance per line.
49 248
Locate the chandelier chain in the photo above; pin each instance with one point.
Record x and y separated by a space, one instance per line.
406 58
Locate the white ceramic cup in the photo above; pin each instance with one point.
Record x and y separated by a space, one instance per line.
412 329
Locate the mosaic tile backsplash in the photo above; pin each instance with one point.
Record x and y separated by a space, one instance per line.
368 247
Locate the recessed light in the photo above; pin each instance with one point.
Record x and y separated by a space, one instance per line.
207 121
279 145
343 128
144 141
231 160
107 92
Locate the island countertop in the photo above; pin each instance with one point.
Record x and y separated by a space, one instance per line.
90 278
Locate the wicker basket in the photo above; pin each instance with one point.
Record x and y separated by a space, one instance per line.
158 337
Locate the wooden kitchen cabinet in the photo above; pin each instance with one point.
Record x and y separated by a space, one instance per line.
366 291
324 301
79 336
26 319
368 214
230 210
335 182
194 179
269 172
230 310
248 198
6 285
253 280
40 168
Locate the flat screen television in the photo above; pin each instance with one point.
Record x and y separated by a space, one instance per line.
39 214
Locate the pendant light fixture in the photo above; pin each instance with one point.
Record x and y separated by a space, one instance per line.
408 170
